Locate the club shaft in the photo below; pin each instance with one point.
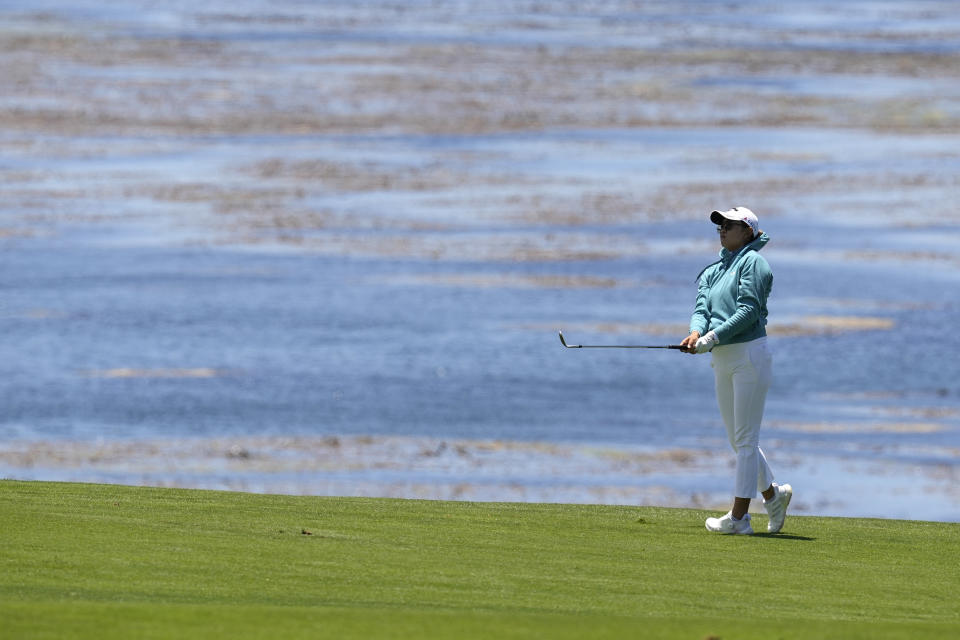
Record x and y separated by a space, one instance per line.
622 346
616 346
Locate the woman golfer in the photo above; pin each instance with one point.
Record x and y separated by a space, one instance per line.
730 322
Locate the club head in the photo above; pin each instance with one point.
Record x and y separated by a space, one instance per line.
562 341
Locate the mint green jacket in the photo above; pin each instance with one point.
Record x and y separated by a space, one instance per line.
732 295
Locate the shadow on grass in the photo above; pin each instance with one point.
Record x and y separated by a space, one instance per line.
764 534
783 536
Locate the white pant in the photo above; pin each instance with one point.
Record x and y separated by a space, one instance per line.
743 372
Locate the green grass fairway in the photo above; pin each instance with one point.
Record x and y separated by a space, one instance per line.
97 561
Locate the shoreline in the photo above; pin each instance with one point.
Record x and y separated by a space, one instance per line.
487 471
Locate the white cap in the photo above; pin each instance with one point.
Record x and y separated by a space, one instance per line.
738 214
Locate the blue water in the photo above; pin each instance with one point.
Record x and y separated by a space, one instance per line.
313 344
433 311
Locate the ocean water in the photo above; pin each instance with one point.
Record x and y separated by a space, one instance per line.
244 268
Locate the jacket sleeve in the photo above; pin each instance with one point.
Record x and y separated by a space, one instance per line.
700 320
754 285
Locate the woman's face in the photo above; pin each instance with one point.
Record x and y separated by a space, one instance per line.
733 235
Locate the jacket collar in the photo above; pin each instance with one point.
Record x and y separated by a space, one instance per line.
727 257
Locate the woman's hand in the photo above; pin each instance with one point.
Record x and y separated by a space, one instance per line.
707 342
689 343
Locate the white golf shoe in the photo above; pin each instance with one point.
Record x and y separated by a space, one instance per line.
777 507
726 524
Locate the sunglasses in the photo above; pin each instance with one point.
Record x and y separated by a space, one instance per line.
726 226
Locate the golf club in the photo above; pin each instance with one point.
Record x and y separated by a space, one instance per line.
616 346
